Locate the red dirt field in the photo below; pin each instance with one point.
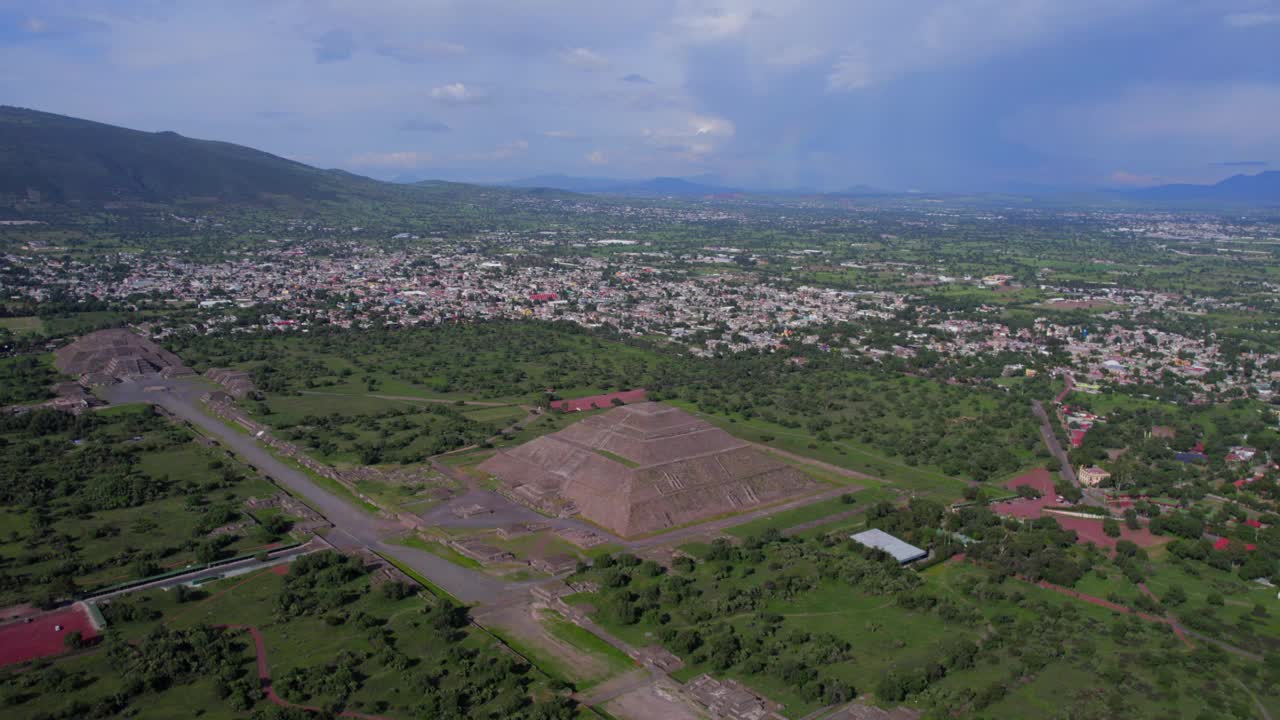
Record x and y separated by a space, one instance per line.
22 641
601 401
1039 479
1087 529
1090 530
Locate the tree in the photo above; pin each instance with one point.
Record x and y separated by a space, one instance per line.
1111 528
73 640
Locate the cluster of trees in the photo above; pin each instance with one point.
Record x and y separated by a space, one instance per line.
689 607
24 379
60 469
400 435
166 658
975 431
317 584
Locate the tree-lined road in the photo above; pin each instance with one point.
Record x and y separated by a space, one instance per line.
353 527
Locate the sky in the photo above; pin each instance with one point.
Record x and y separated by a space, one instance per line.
946 95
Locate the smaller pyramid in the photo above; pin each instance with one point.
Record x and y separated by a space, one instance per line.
115 355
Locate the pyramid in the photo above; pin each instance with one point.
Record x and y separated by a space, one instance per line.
118 354
643 468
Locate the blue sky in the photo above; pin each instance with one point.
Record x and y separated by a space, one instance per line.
938 95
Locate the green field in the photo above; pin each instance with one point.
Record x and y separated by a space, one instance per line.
138 495
28 324
359 649
781 618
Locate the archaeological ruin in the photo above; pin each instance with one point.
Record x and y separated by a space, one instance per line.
643 468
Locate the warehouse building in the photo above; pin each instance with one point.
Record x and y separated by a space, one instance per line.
901 551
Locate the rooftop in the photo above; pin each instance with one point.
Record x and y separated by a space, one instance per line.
901 551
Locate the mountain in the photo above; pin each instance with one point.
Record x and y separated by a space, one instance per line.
64 160
659 186
1260 189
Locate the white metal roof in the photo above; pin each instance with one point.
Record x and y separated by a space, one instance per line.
901 551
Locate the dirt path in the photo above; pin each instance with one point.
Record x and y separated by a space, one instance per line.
264 677
621 685
1178 629
1173 622
519 621
1262 709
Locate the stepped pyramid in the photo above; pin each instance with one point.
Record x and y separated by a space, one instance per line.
642 468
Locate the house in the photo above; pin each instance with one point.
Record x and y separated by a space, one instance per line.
1224 543
1092 476
1241 453
901 551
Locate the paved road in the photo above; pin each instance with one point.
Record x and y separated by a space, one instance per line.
352 527
1092 496
239 567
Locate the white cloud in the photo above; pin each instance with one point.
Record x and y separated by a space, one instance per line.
597 157
35 25
712 24
851 71
399 159
458 94
708 125
699 137
584 59
560 134
1251 19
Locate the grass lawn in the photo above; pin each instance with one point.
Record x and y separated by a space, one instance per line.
438 549
19 325
499 416
796 516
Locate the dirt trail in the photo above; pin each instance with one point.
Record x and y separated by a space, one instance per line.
264 677
1173 622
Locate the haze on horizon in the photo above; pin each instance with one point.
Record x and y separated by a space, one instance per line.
957 95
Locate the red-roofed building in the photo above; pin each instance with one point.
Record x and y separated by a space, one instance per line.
1224 543
1253 523
1077 437
543 297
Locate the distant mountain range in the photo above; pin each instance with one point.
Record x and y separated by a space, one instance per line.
56 160
1260 189
48 159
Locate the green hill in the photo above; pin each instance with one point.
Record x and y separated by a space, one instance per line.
54 161
63 160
